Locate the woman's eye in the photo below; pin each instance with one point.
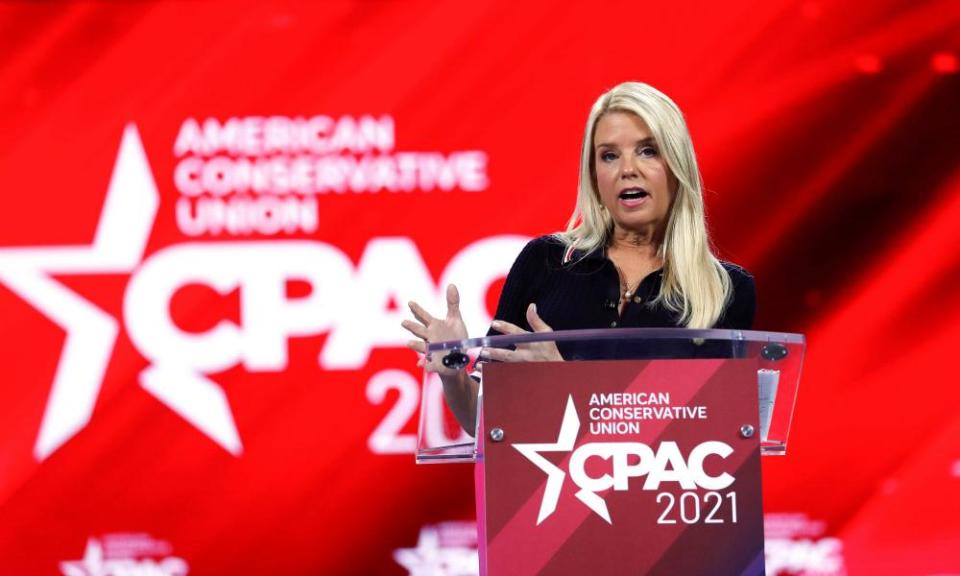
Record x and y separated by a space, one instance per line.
647 151
608 156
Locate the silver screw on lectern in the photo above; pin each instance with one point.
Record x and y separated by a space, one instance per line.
746 431
496 434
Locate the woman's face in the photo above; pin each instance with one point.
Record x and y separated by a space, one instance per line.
635 184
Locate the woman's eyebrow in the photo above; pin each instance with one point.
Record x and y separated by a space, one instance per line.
649 140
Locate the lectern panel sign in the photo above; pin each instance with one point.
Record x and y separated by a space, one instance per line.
623 467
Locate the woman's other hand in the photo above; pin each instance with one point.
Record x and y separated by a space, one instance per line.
430 329
532 352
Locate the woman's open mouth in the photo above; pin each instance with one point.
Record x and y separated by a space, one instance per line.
631 197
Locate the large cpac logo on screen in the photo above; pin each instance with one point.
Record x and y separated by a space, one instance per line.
260 269
627 460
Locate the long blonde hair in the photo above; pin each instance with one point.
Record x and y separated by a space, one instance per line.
695 284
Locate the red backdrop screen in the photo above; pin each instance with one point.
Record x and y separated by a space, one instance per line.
214 214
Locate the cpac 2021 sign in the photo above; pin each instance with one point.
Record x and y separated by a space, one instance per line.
349 302
627 460
598 451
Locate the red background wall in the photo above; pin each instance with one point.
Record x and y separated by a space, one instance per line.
827 136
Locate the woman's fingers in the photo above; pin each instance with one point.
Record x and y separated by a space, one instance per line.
534 320
453 302
431 329
523 353
498 354
418 330
420 314
418 345
504 327
527 352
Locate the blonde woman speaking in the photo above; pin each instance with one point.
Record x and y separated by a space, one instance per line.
636 252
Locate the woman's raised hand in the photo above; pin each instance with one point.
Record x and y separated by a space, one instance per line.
429 329
532 352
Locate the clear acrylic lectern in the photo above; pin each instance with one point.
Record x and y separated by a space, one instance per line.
638 452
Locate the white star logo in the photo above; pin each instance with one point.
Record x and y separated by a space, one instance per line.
430 558
95 563
91 563
569 428
118 247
